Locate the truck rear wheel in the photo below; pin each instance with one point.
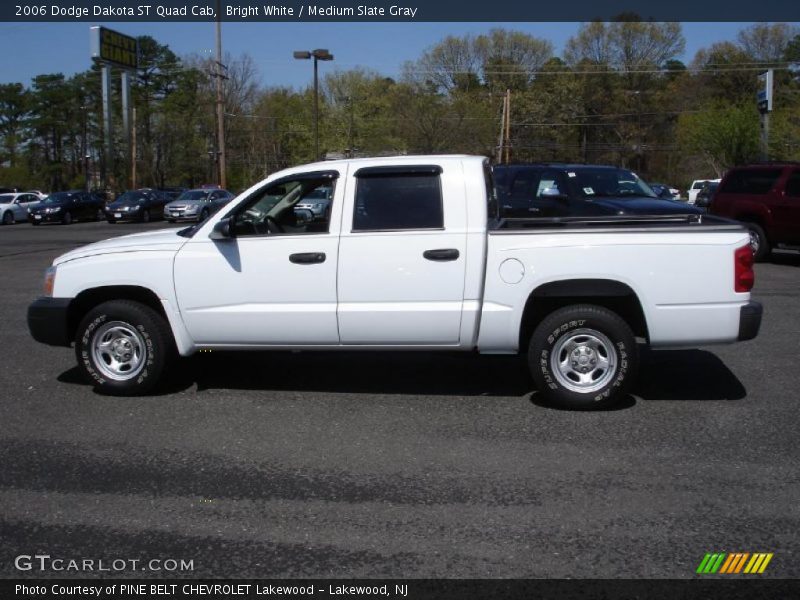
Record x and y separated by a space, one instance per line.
123 347
583 357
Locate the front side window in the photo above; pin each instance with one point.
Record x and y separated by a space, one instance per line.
285 207
389 199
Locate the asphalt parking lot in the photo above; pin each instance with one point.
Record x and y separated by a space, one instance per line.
396 465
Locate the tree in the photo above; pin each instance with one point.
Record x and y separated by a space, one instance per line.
721 135
14 108
766 42
498 60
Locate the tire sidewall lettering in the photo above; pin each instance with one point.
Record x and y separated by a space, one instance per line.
555 334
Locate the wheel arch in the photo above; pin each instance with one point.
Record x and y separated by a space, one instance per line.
614 295
89 298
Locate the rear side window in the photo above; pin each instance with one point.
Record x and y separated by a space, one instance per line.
750 181
392 199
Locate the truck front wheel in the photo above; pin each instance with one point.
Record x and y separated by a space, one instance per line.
583 357
122 347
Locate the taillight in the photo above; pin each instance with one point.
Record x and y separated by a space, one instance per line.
743 275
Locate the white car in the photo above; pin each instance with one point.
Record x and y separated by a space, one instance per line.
696 186
411 256
14 207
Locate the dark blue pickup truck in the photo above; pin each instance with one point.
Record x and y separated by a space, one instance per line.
561 190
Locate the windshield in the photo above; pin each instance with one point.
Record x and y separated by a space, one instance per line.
610 183
6 198
58 197
193 195
131 197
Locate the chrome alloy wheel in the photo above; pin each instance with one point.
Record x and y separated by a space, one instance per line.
755 241
119 351
584 361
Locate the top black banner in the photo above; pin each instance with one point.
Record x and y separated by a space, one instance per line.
401 10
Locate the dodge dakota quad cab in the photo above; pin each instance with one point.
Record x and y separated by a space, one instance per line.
410 255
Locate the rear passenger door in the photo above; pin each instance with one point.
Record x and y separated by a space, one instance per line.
402 256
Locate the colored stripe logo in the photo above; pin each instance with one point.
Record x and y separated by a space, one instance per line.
733 563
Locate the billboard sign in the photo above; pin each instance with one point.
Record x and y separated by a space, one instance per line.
764 95
112 47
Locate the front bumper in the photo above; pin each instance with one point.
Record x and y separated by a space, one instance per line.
123 216
48 321
750 320
181 215
46 217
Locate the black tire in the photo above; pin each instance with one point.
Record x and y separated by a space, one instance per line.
143 327
8 218
170 220
111 221
146 216
99 215
35 223
67 218
758 242
595 334
203 215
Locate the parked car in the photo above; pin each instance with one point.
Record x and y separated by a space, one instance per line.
197 205
412 257
137 205
766 198
40 194
173 192
705 195
695 188
66 207
318 201
14 207
662 190
560 190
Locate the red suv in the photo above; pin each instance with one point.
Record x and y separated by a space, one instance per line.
766 198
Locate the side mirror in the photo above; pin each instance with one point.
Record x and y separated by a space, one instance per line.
303 216
222 230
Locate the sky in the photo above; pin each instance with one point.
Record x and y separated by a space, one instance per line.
30 49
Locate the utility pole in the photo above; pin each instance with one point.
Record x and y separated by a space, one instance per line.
133 150
108 151
85 149
764 102
220 103
317 55
502 137
508 126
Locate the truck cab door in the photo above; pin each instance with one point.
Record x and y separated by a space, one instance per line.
402 256
273 282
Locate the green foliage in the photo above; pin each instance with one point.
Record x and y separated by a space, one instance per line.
723 136
619 95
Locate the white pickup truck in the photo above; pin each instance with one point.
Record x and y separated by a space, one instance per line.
407 253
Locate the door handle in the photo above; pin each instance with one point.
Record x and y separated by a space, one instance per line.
442 254
307 258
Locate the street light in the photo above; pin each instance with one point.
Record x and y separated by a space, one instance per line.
319 54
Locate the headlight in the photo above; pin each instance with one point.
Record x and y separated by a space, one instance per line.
192 209
49 281
54 209
136 207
